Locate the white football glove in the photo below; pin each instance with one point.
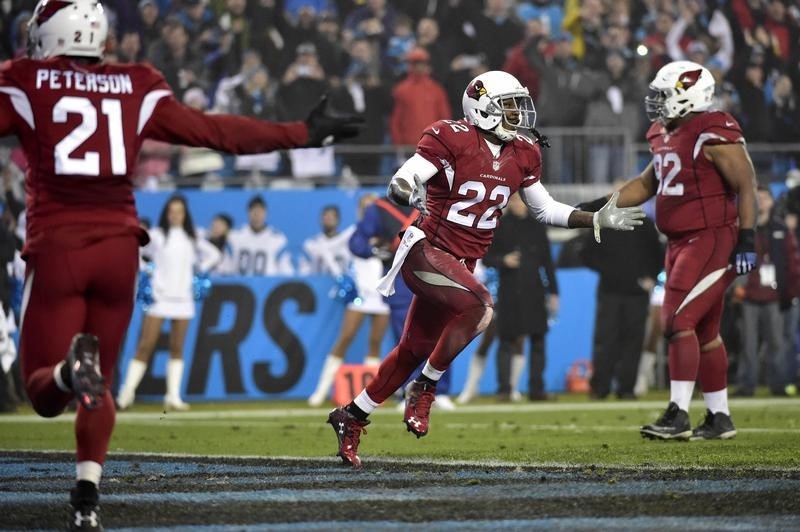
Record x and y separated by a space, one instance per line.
419 196
618 218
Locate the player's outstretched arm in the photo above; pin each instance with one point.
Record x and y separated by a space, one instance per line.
733 162
634 192
176 123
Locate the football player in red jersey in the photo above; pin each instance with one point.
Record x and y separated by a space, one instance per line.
460 178
705 189
81 123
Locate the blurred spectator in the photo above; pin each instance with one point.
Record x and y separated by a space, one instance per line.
268 31
695 29
303 83
225 48
173 56
755 113
327 253
363 92
333 56
150 23
256 248
198 19
783 35
628 264
772 286
318 8
221 225
496 31
400 43
584 20
522 59
617 103
375 19
565 87
549 13
784 109
419 100
129 49
428 40
527 297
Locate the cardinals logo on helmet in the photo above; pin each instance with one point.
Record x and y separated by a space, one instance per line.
688 79
476 90
47 10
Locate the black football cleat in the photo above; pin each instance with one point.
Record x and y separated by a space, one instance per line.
717 426
672 425
348 431
83 362
84 511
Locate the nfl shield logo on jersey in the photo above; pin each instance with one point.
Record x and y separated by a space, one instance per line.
495 165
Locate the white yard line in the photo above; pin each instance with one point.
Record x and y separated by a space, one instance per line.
270 412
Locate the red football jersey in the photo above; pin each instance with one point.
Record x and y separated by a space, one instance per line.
692 194
81 126
466 196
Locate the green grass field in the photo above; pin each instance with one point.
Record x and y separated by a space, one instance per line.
567 431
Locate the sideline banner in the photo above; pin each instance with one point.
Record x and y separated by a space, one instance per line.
267 338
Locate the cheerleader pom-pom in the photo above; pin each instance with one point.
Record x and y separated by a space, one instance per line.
144 292
345 289
201 286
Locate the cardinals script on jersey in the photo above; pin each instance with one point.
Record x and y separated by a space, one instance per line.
473 185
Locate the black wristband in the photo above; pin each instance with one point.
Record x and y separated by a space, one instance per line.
592 206
747 239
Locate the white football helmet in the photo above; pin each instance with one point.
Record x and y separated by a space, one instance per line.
679 88
496 102
67 27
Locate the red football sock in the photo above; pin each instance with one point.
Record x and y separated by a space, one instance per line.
93 430
714 369
684 358
395 369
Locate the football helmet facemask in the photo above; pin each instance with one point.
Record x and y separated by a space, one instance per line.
496 102
67 27
679 88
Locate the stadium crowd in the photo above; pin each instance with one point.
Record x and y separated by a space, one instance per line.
403 65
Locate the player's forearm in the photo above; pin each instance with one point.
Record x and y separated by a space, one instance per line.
579 219
635 192
748 208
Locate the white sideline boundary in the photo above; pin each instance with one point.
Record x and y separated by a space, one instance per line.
270 412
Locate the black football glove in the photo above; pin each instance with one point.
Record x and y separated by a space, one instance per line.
592 206
325 129
743 259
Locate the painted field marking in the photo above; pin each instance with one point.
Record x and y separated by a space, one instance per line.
388 410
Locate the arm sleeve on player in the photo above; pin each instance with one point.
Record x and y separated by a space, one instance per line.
176 123
542 205
416 165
